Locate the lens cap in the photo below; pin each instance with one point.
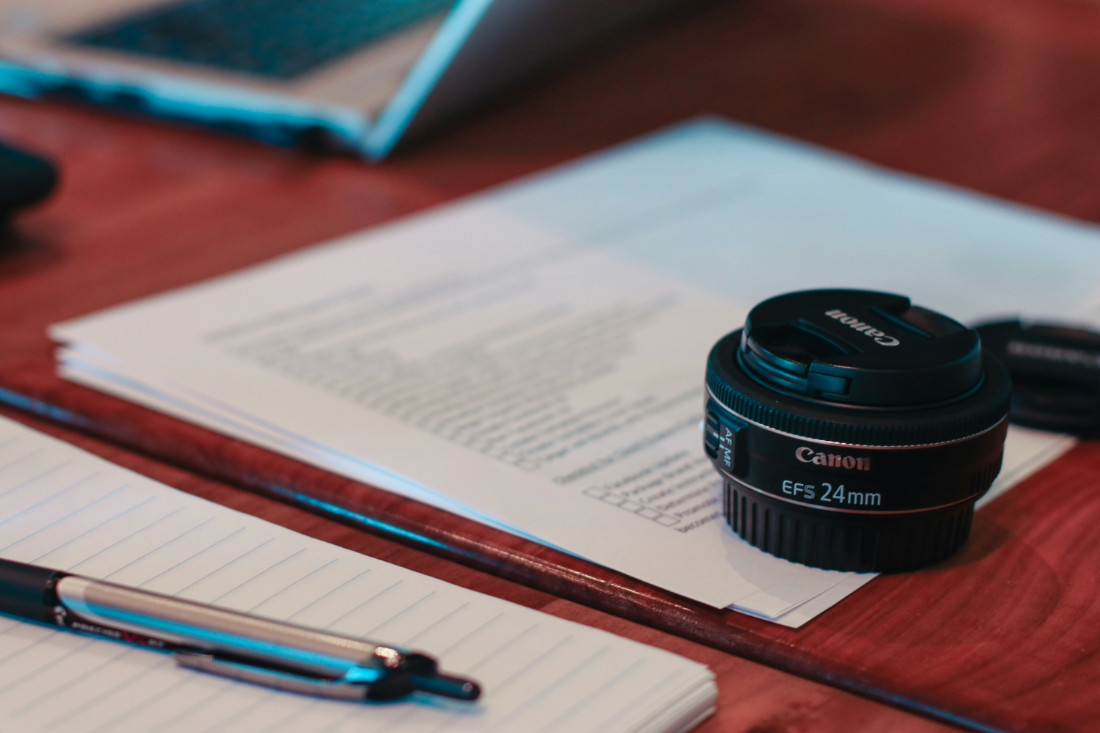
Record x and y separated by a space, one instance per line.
860 348
1055 372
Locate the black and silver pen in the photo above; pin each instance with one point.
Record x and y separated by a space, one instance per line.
224 642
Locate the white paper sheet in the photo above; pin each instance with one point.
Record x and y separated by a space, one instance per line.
533 357
62 508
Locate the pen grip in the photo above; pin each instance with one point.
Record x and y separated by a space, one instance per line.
27 591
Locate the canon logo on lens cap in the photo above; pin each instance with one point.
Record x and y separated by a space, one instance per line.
866 329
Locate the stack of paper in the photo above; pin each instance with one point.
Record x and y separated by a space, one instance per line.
66 509
533 358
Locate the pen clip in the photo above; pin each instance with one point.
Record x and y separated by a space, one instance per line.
269 677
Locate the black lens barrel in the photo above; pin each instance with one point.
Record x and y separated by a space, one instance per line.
853 430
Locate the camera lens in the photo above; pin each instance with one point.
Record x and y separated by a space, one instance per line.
854 430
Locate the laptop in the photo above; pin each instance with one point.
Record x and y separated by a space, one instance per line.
357 75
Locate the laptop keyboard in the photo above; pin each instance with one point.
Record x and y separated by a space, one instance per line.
271 38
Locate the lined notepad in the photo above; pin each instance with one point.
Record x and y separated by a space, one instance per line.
64 508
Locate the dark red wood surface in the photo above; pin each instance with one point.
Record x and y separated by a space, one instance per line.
1002 97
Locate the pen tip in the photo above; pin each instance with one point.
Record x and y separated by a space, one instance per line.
441 684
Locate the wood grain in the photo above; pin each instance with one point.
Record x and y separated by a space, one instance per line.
1001 97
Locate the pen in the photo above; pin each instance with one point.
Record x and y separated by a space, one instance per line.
228 643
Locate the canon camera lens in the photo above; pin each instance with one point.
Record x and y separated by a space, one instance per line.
854 430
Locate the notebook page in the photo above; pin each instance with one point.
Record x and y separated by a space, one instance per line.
63 508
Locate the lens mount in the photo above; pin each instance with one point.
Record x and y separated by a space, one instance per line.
853 430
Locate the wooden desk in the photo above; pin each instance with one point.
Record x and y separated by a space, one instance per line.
996 96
